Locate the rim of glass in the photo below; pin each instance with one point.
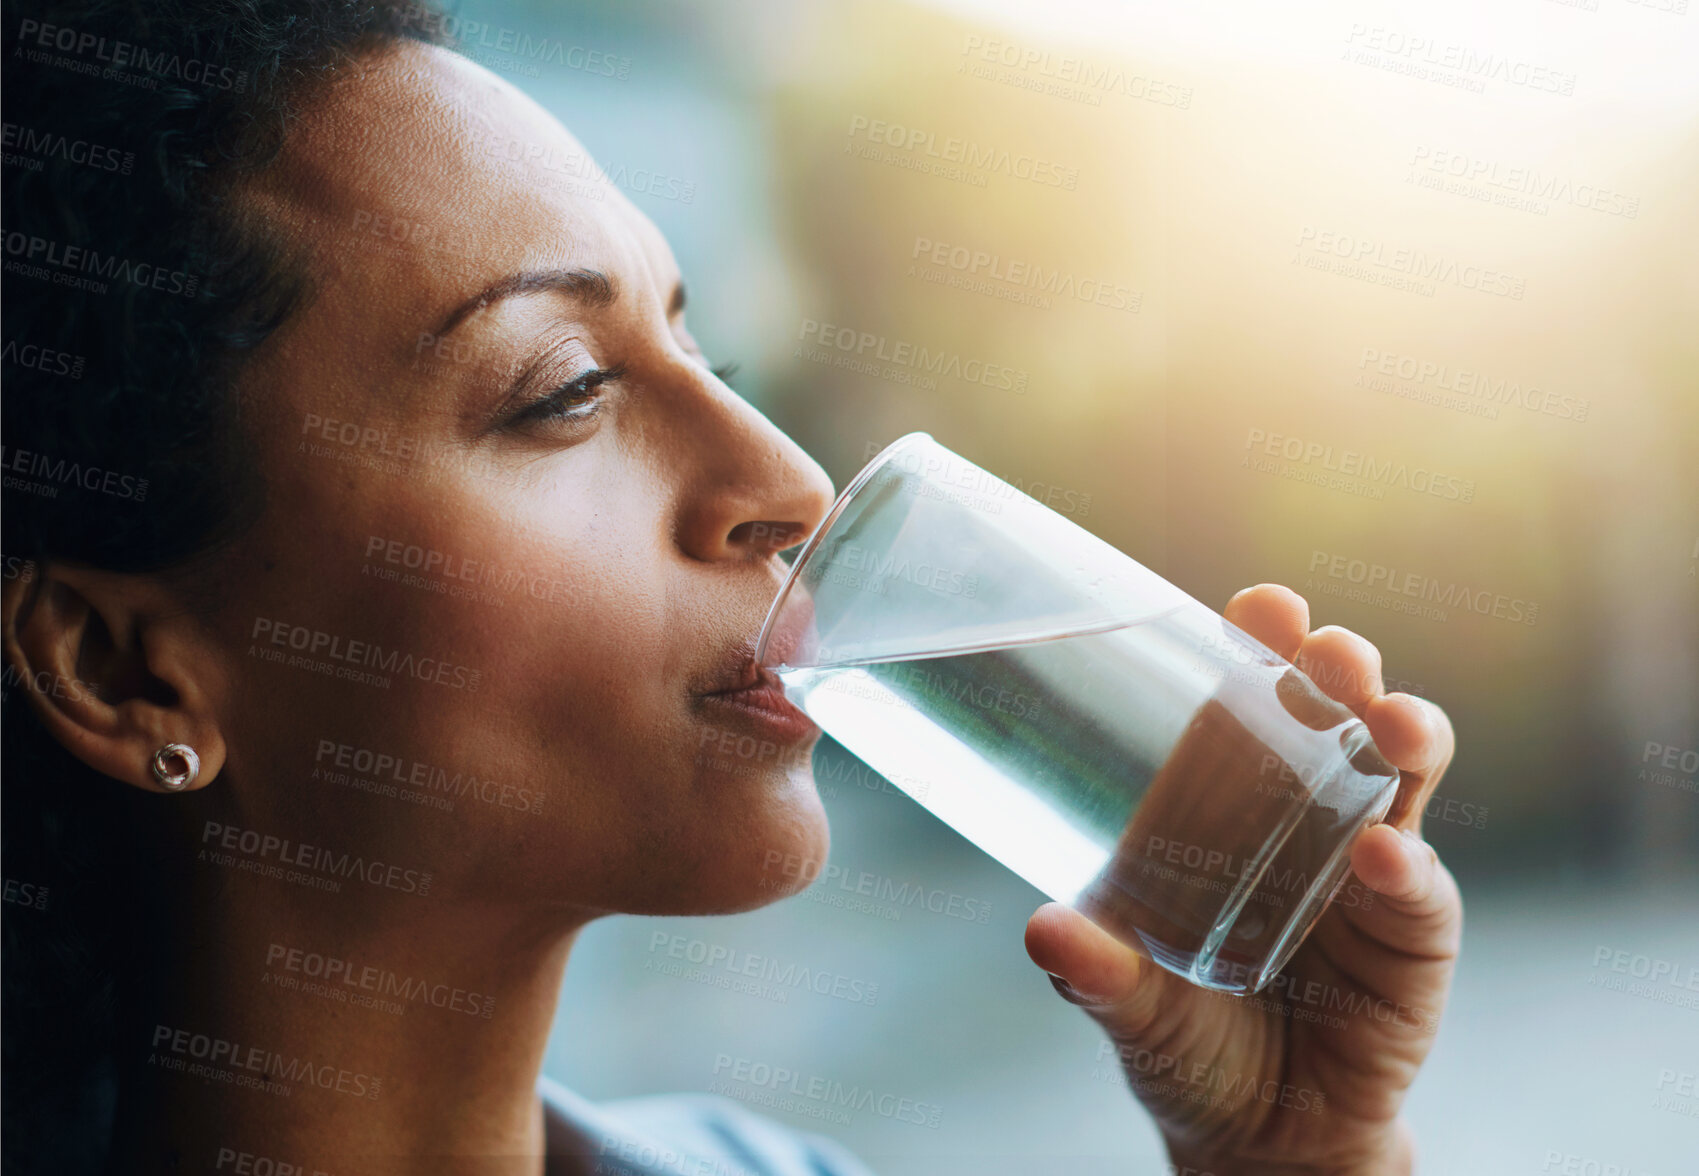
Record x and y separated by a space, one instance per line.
812 543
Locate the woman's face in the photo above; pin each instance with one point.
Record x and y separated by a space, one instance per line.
535 512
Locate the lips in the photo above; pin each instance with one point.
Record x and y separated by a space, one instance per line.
758 697
751 693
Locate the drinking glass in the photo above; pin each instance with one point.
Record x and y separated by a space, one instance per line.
1113 741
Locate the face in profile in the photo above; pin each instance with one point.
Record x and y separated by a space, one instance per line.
502 479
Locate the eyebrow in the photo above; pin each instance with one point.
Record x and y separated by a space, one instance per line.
591 286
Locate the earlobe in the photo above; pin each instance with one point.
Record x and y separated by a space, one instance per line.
175 767
106 663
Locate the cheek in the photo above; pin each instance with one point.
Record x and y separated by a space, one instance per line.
430 615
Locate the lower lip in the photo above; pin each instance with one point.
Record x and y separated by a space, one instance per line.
766 705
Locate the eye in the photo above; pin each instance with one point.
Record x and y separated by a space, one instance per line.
575 400
725 372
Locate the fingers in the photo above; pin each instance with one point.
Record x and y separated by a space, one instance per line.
1274 615
1398 953
1345 666
1098 968
1412 733
1093 969
1417 918
1416 737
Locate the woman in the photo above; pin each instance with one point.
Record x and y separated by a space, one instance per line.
336 330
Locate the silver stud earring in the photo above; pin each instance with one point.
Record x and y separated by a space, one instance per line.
175 766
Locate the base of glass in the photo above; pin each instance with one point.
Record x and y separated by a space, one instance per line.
1356 802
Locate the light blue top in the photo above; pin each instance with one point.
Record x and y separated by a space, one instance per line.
682 1135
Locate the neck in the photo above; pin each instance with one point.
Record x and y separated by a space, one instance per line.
366 1030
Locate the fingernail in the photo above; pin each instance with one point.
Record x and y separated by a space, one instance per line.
1071 994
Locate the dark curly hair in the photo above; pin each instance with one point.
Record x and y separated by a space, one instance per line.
134 288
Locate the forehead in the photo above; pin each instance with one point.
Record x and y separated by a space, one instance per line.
418 177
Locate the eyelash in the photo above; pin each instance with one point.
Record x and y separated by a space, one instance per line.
557 405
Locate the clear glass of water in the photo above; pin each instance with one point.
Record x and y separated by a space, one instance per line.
1113 741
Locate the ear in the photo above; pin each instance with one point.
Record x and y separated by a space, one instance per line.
114 666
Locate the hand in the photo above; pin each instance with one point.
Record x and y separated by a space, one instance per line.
1307 1076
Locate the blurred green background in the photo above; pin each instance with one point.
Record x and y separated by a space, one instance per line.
1258 238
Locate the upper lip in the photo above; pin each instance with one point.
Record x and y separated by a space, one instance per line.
737 670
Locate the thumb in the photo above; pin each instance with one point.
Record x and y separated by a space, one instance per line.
1094 970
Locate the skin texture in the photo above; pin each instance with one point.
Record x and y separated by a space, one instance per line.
645 520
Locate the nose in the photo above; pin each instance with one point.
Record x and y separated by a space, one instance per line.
749 490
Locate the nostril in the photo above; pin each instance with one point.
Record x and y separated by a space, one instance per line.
767 536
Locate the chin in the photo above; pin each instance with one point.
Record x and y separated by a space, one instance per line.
776 851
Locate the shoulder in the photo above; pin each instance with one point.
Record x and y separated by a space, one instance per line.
684 1135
